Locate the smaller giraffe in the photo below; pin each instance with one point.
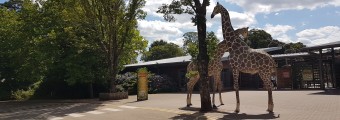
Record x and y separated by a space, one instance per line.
213 70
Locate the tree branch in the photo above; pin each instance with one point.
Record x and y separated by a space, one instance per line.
206 2
198 4
192 6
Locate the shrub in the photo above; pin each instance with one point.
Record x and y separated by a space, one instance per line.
127 82
22 94
161 83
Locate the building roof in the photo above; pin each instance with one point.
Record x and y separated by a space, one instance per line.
183 59
289 55
326 45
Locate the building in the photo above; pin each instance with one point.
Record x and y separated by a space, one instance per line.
295 70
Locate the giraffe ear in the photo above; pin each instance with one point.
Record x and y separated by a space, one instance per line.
218 3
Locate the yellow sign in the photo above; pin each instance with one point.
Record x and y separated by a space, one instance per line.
142 93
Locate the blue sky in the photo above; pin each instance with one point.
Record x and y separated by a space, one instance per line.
312 22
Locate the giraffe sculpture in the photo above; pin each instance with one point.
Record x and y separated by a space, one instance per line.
244 59
215 67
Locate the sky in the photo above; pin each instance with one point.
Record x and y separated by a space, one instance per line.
311 22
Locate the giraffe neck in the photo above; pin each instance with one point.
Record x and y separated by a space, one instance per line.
231 39
221 48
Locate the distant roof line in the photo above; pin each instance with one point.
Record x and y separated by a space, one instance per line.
289 55
183 59
326 45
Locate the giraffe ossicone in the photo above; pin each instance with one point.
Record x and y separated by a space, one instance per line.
244 59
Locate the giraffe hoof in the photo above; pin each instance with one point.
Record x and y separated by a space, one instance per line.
188 105
214 107
270 111
237 111
222 104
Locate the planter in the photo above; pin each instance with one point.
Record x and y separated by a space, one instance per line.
113 96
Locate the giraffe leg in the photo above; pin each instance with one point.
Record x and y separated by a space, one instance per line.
220 91
266 80
219 86
214 91
236 87
189 92
188 96
190 87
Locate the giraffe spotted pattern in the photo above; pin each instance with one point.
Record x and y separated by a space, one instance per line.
244 59
215 67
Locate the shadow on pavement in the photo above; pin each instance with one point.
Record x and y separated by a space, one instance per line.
45 110
232 116
327 92
195 116
227 115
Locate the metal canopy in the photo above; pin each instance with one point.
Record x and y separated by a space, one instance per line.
326 45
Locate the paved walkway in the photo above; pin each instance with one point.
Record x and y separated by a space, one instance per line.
289 105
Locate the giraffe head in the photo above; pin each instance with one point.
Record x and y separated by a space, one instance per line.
243 32
217 9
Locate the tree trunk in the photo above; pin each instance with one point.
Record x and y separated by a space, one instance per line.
203 60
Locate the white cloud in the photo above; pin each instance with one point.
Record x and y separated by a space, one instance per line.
279 32
238 20
168 31
151 6
154 30
268 6
319 36
219 34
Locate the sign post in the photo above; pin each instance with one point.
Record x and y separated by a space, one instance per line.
142 93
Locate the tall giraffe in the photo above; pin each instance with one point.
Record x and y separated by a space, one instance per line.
215 67
244 59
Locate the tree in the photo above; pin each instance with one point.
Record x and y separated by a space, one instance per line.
56 41
293 47
190 45
259 38
198 10
12 4
112 24
161 50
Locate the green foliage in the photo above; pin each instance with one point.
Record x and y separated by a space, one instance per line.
161 50
190 7
142 70
58 41
22 94
293 47
112 26
261 39
191 74
190 45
